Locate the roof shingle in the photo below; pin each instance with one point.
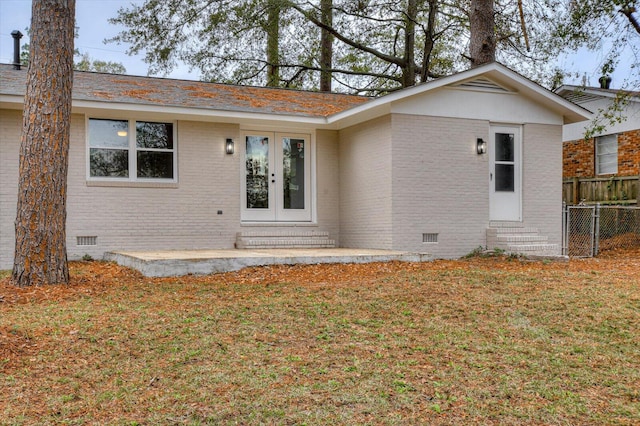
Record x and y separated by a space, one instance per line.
90 86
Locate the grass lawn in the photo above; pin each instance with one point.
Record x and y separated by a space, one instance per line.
476 341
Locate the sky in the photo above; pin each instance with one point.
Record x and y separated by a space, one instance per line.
93 27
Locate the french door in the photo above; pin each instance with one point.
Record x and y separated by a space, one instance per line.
277 177
505 174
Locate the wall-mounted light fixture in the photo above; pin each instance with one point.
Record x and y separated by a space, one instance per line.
228 147
122 133
481 146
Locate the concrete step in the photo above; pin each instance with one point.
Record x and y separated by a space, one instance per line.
282 234
283 239
521 240
512 231
535 249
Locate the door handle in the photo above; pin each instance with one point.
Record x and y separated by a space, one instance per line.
490 177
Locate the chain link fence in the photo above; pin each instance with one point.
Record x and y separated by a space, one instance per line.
589 230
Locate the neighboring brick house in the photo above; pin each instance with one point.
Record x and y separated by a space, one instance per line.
607 166
443 167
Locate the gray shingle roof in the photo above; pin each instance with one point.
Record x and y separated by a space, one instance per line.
89 86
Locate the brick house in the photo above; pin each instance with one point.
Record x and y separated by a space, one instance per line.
443 167
604 168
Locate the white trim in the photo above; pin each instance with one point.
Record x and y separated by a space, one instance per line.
132 153
498 198
275 213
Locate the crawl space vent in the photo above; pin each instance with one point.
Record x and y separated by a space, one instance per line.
87 241
430 238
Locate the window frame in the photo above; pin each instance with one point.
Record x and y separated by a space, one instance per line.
132 149
599 156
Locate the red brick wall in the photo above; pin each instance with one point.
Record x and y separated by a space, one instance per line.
578 157
629 153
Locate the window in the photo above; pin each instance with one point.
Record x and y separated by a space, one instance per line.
131 150
607 154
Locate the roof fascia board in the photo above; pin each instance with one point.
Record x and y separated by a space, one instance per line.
194 113
571 112
591 91
12 99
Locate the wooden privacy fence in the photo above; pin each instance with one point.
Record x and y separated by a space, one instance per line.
615 190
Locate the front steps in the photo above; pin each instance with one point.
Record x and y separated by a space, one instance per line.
520 241
283 240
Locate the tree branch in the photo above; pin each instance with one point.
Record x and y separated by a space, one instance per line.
387 58
628 12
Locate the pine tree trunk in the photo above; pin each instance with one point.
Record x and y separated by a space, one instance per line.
326 46
482 47
430 39
409 71
273 43
40 250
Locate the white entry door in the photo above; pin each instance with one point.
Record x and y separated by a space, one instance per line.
277 180
505 174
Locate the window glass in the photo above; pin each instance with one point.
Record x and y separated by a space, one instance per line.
109 162
108 133
154 135
153 164
112 146
607 154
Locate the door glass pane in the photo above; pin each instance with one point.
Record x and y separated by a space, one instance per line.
504 147
257 172
293 173
505 178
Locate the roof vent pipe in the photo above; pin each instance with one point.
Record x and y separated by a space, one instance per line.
605 82
17 35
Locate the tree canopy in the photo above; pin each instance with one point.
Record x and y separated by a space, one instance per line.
367 46
375 45
608 26
82 61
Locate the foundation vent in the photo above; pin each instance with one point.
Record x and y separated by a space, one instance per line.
430 238
87 241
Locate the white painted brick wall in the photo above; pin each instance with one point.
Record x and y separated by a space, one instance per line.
151 218
365 185
440 184
542 180
328 183
142 218
10 127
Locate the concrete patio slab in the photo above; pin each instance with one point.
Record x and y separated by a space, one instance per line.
170 263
